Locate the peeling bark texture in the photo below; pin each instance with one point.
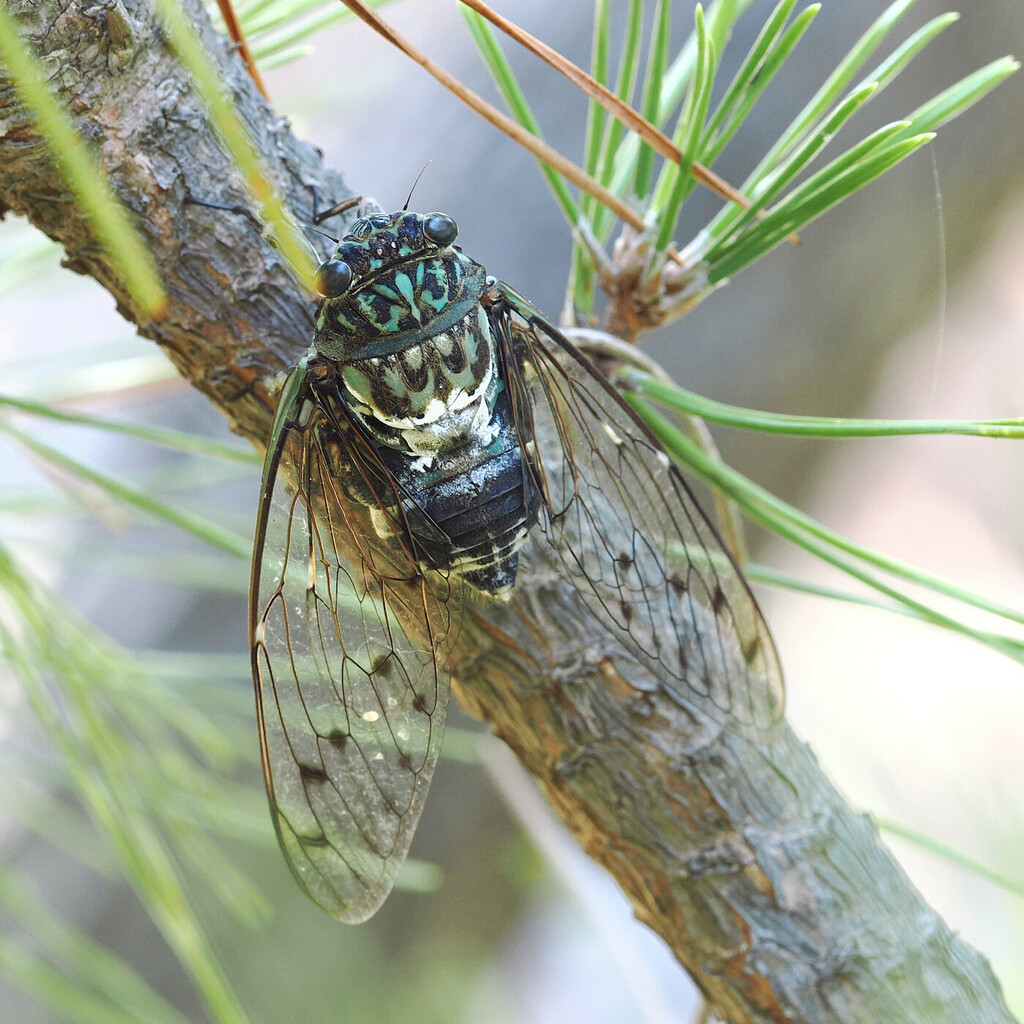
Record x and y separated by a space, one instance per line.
780 900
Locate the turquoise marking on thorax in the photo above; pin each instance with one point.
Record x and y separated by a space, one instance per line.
405 289
377 318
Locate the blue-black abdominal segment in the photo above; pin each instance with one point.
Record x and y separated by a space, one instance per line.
481 499
466 514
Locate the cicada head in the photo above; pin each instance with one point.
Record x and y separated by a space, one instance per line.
392 280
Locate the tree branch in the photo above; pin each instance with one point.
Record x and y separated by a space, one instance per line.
780 901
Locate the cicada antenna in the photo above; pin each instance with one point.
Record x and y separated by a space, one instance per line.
415 183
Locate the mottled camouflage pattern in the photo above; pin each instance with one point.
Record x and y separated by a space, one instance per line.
403 286
418 364
439 373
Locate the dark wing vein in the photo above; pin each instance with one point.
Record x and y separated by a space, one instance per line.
351 707
625 530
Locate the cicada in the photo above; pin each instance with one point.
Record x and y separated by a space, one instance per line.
441 437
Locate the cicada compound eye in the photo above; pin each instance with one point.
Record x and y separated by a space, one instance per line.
440 228
333 278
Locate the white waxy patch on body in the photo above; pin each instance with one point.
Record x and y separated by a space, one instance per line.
442 422
483 426
663 459
461 398
433 411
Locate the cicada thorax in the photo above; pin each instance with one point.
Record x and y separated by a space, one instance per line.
416 364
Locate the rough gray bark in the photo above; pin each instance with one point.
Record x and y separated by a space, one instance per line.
779 899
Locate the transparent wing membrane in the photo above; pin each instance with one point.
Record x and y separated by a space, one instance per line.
624 529
352 709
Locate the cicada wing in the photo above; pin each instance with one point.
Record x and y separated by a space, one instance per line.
349 653
624 529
